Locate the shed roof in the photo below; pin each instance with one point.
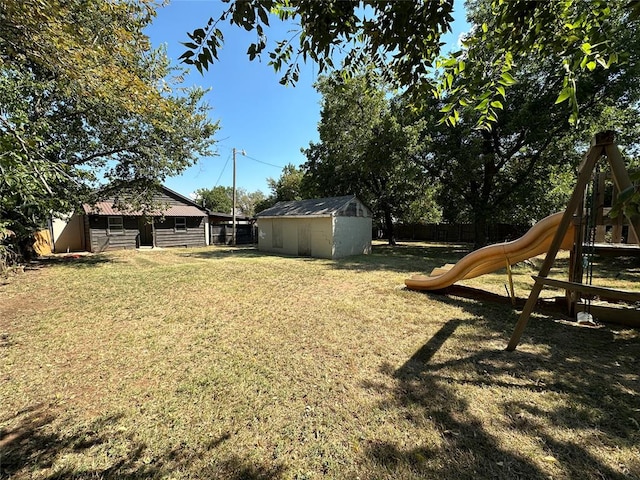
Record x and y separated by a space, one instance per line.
316 207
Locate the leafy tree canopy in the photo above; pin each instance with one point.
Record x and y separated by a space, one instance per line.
220 199
524 166
85 99
402 39
216 199
571 37
248 201
287 187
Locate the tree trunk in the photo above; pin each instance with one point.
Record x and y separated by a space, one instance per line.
388 224
480 230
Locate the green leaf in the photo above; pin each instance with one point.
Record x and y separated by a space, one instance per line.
626 194
262 13
573 119
583 62
497 104
482 106
198 34
565 94
586 48
446 108
506 79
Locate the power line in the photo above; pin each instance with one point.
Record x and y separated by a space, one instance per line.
265 163
250 158
223 169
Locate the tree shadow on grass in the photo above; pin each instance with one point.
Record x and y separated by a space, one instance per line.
625 268
38 443
223 252
404 257
592 373
465 449
72 260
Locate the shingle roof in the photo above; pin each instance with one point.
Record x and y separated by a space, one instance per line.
107 208
315 207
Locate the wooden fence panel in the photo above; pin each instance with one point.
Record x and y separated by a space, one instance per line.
456 232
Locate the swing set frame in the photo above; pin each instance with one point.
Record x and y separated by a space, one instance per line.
602 145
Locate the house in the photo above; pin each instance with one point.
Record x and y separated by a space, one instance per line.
180 222
323 228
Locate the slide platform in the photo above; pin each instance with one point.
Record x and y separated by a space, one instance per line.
494 257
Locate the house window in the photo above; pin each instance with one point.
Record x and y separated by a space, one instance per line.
180 224
115 226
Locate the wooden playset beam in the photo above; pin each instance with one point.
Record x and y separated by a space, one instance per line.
602 144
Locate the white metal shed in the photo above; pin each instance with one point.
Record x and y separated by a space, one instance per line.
322 227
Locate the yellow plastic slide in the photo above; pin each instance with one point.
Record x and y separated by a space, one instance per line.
494 257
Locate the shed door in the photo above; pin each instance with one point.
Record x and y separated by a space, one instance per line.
304 239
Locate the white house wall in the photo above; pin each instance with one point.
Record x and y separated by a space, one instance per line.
351 236
68 233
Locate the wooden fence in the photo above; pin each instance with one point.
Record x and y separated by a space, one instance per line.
457 232
223 234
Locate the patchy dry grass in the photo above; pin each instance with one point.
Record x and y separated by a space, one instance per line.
225 363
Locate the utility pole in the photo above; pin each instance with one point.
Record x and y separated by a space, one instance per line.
233 211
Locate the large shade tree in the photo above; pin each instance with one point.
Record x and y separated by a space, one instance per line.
216 199
523 166
88 109
366 148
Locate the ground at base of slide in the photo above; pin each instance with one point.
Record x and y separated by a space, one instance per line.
494 257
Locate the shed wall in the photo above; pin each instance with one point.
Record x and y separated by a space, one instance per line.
291 229
322 237
351 236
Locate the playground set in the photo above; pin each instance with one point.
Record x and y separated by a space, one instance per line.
582 229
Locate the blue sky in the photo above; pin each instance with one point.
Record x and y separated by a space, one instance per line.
256 114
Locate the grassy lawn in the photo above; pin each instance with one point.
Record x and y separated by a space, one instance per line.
226 363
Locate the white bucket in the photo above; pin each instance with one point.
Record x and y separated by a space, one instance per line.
584 317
